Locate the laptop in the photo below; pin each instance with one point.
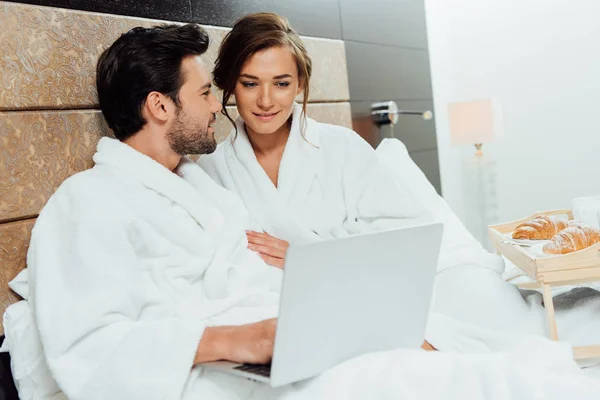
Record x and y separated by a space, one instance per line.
343 298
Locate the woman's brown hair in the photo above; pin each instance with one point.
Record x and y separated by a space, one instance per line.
249 35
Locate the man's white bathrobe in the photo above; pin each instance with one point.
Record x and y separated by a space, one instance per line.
129 263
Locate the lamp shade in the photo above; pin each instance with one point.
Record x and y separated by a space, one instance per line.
471 122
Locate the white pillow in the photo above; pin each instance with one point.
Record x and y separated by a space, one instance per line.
20 284
459 247
31 374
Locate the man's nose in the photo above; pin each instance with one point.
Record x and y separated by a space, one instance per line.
216 105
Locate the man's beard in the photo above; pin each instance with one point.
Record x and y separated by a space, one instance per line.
187 136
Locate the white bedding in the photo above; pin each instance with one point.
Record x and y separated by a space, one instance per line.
531 369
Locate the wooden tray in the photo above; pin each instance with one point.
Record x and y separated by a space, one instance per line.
552 270
577 267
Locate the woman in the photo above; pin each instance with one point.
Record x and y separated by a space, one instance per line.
300 179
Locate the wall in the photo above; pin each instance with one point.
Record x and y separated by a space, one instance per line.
319 18
386 48
49 117
387 57
538 59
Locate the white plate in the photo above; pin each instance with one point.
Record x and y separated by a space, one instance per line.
533 247
538 250
524 242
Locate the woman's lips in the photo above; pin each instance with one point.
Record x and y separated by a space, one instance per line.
266 117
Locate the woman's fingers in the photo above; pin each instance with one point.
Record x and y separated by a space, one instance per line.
258 234
274 261
264 239
259 239
271 249
268 250
427 346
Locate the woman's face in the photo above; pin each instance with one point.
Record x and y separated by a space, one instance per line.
266 89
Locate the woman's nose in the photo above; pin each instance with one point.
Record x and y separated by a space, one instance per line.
265 100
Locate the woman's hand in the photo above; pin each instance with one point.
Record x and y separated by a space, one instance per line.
427 346
269 248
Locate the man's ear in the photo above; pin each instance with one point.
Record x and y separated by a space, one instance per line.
158 106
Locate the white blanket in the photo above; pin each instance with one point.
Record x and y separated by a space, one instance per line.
412 375
533 368
470 286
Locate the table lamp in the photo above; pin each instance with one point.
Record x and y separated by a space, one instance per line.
475 123
472 122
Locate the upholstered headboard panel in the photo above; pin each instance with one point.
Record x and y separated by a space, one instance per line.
49 117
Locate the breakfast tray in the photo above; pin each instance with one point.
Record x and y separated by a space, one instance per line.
551 270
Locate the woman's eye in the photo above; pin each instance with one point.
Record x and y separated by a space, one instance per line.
249 84
282 84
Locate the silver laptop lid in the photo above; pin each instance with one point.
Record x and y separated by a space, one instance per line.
347 297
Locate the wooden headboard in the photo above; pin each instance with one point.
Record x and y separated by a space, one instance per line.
49 117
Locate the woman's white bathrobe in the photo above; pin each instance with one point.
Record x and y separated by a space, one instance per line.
129 263
331 184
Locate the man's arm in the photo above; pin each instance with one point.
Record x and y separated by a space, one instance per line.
251 343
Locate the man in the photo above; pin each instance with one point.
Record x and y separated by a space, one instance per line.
132 268
139 267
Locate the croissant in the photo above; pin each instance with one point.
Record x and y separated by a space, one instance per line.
576 237
539 228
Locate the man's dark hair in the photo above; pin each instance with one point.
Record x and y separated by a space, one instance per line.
141 61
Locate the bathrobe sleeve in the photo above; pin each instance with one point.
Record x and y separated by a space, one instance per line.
374 200
91 298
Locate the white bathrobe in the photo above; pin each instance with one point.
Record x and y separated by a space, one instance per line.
331 184
129 263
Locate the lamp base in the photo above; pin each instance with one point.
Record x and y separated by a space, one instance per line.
478 151
480 196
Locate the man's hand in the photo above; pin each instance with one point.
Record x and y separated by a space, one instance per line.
269 248
251 343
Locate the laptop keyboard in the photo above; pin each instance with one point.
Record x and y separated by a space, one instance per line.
258 369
